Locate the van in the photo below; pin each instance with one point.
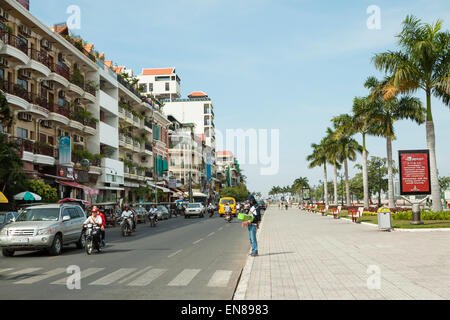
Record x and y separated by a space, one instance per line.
231 202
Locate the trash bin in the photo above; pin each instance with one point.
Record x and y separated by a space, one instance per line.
384 219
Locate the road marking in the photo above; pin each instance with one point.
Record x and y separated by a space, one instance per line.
5 270
136 274
175 253
147 278
84 274
197 241
220 278
112 277
220 228
41 277
212 233
184 278
22 272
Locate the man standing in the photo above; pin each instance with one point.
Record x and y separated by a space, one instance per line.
255 210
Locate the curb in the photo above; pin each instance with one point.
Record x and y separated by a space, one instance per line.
241 289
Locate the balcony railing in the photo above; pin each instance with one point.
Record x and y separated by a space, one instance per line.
62 108
128 86
148 174
40 56
148 147
90 90
41 101
14 41
60 69
35 147
78 82
148 124
90 123
76 116
44 149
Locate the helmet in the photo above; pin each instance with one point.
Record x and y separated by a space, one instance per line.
94 210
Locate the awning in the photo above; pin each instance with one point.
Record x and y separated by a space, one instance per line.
165 190
111 188
73 184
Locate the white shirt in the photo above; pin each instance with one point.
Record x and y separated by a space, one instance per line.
127 214
153 210
98 220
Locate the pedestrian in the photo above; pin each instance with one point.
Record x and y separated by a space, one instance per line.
255 211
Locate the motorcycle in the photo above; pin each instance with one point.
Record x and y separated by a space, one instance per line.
229 217
152 218
211 211
125 227
93 240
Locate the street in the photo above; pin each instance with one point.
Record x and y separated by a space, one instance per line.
180 259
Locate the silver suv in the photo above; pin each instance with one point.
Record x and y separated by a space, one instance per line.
46 227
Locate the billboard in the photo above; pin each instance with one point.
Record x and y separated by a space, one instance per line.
65 153
414 172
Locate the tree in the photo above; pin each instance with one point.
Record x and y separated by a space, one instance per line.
239 193
422 63
47 192
12 178
6 114
388 111
317 159
333 155
348 147
299 184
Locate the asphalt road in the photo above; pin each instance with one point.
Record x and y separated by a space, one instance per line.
180 259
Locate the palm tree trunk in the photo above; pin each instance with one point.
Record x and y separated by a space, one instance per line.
390 173
325 187
365 175
435 187
335 184
347 185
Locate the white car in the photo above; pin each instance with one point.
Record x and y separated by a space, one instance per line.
194 209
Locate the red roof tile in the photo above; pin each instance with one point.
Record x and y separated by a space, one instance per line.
157 72
197 94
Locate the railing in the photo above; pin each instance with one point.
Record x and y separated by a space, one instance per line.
96 162
148 174
40 56
186 100
128 86
60 69
121 137
62 108
90 90
44 149
41 101
148 147
148 124
15 41
76 116
128 140
91 123
75 81
121 110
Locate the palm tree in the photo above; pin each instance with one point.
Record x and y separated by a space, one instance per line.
333 157
389 111
423 63
348 147
317 159
299 184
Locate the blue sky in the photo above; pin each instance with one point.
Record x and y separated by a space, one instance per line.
267 64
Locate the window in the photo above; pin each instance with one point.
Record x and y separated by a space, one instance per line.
143 87
42 138
2 74
150 87
22 133
207 111
51 140
74 214
167 86
23 83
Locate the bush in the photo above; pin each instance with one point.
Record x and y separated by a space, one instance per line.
48 194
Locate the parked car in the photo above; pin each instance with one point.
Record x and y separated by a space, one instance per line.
195 209
262 205
142 214
46 227
7 218
162 213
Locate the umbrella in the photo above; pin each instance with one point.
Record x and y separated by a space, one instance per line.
27 196
3 198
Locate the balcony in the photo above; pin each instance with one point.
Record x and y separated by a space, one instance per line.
76 120
90 127
76 84
123 82
39 62
40 105
14 47
60 112
59 73
90 93
36 152
16 95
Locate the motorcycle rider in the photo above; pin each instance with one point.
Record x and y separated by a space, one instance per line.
180 208
102 229
211 208
153 211
227 209
127 213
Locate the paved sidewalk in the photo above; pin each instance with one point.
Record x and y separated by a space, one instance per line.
307 256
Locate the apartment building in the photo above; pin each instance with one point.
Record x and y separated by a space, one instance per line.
162 83
51 87
228 168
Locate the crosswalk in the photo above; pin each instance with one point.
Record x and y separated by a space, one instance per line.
129 277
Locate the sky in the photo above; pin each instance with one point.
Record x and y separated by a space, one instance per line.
288 65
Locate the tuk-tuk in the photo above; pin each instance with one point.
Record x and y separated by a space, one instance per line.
109 209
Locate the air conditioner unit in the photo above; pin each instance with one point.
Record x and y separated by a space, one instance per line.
62 94
46 44
3 62
47 84
25 73
25 30
46 124
3 14
25 117
78 139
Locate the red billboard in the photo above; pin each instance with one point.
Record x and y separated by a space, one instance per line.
414 172
25 3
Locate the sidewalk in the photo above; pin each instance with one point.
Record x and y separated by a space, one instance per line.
308 257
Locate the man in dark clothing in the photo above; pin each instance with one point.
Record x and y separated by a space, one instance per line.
255 210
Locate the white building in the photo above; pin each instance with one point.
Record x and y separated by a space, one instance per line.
161 83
